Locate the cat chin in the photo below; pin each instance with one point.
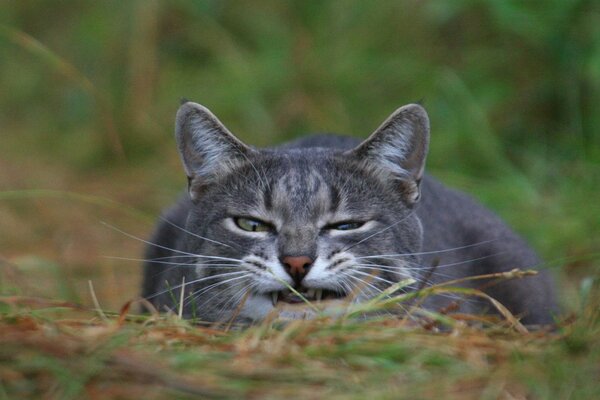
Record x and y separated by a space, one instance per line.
257 307
325 308
260 307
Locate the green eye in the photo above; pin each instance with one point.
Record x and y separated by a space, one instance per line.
252 225
345 226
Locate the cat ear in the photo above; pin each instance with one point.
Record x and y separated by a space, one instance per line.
399 146
206 146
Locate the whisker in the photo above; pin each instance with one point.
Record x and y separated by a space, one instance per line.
403 307
238 296
465 261
194 282
397 270
170 257
346 286
378 232
218 258
376 289
195 234
451 296
212 286
379 266
166 248
419 267
184 256
156 261
162 258
264 182
197 294
376 292
211 265
430 252
454 297
373 276
146 241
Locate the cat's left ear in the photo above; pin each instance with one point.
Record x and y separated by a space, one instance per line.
399 146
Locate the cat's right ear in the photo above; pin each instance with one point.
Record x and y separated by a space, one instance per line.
398 148
207 148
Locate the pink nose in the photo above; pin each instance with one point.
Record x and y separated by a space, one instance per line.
297 266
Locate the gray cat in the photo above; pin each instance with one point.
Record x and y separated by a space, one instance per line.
332 218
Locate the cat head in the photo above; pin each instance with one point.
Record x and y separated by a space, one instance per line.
327 221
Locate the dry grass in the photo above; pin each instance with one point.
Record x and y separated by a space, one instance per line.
59 350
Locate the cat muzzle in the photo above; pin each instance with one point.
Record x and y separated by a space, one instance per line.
304 294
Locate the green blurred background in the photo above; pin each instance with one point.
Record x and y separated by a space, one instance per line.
89 90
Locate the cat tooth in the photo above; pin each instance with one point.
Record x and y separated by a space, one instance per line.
274 296
310 294
318 294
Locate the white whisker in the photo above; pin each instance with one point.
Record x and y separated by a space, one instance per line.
379 232
194 282
213 286
154 261
194 234
393 256
379 266
364 282
373 276
147 241
463 262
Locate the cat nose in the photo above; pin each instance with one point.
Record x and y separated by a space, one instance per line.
297 266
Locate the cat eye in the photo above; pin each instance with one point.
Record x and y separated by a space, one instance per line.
345 226
252 225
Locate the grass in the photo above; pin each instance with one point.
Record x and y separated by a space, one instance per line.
88 93
57 349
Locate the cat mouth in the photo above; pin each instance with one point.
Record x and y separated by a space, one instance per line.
312 295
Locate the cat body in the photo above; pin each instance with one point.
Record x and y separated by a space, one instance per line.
329 216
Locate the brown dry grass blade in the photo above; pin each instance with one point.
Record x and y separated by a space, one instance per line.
38 302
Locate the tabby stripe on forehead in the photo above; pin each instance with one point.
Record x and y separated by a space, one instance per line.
316 183
268 198
334 196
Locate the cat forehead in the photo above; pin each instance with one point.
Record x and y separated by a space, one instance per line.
302 188
309 170
301 184
300 167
